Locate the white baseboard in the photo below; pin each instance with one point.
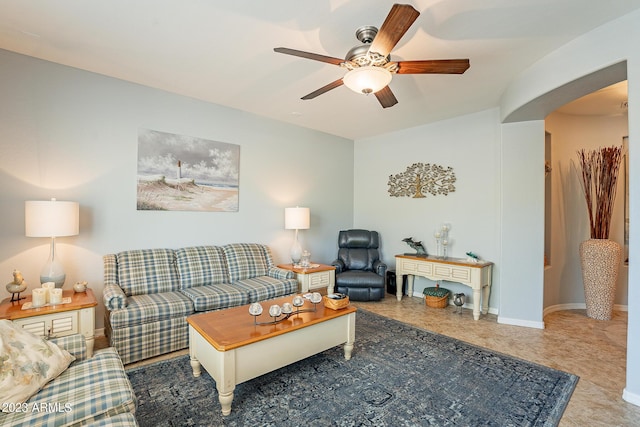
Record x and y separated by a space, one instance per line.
578 306
520 322
98 332
632 398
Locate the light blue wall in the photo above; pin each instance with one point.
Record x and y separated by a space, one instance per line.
72 135
522 224
469 144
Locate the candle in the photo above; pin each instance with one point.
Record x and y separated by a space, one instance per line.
47 286
55 296
39 297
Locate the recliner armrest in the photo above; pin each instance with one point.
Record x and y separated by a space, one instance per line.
339 265
379 267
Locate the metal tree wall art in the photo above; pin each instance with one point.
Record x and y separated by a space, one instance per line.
422 178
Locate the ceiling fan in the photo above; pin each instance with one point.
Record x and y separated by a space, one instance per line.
370 66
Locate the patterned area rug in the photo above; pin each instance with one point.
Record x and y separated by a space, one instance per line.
398 376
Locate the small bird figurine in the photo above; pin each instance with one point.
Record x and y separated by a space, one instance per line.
17 286
417 246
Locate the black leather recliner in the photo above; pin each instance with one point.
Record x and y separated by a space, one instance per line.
360 273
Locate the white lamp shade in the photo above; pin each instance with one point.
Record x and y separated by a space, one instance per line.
296 218
367 79
51 218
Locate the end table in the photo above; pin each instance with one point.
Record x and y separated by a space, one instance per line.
312 278
76 317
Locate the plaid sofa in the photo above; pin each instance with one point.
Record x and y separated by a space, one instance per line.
90 392
149 293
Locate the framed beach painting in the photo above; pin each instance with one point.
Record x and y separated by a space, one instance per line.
185 173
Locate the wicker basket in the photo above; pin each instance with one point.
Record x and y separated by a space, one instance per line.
436 297
336 304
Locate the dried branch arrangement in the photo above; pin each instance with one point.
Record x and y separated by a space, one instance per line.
600 169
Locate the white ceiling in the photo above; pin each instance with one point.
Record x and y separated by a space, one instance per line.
221 51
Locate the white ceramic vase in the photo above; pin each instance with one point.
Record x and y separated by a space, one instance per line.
600 260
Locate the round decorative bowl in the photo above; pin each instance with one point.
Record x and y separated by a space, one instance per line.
80 286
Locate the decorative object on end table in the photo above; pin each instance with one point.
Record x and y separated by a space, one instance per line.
421 178
80 286
436 296
296 219
51 219
417 246
17 286
599 256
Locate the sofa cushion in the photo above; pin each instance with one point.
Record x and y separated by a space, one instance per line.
215 297
147 271
201 265
27 363
264 287
151 308
247 260
93 389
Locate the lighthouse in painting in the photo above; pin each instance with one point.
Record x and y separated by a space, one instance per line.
179 169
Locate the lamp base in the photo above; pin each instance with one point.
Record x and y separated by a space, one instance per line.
296 250
52 270
58 280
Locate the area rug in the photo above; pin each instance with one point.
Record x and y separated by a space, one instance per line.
399 375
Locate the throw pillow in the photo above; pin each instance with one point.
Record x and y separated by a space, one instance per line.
27 363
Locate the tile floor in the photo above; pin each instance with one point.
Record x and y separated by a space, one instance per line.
592 349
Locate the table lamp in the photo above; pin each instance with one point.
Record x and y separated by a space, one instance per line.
296 219
51 219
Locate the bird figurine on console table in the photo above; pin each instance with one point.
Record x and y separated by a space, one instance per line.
417 246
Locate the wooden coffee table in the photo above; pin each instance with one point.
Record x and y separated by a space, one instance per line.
234 350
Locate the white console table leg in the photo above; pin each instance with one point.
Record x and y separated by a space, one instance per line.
485 299
476 304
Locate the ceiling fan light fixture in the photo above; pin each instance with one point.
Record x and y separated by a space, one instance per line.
368 79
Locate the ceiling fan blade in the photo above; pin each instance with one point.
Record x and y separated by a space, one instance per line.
309 55
400 18
323 89
438 66
386 97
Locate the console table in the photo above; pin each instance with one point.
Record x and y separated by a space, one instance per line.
475 275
